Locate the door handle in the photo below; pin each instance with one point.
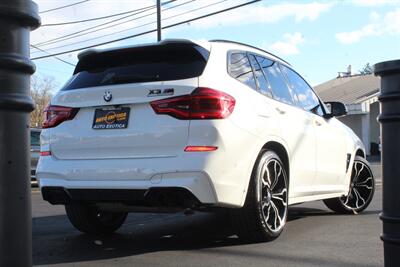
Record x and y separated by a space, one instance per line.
280 111
318 123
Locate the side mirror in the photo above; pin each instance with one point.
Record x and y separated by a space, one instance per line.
335 109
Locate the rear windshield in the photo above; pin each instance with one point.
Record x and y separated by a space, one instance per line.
166 62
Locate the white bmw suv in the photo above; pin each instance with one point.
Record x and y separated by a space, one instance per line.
188 125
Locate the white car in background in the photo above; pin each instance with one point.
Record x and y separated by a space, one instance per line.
180 124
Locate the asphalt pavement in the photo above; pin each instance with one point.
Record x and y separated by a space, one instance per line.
314 236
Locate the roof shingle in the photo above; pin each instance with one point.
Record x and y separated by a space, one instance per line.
349 90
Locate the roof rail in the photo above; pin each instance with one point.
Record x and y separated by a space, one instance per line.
234 42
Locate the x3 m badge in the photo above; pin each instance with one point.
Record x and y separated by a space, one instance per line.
159 92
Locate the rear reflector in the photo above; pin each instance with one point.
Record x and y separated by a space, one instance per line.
45 153
200 148
54 115
203 103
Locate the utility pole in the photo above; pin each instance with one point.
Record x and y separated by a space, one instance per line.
158 20
390 132
17 19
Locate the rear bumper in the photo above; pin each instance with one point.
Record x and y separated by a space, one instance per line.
197 184
159 198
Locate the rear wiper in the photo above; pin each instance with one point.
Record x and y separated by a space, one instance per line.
134 78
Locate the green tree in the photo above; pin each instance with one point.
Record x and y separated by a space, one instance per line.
367 69
41 92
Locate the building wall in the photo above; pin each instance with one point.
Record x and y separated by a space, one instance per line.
374 127
354 122
366 127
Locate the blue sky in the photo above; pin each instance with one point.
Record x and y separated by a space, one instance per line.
319 38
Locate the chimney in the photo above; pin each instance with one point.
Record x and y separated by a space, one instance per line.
345 74
349 70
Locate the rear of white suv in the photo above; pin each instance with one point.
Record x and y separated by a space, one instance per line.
180 124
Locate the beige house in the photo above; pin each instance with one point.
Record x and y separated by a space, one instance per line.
360 94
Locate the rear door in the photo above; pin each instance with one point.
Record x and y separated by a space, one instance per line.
113 90
297 131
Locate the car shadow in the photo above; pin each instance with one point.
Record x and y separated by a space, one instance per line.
302 212
56 241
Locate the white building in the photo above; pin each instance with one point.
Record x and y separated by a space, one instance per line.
360 94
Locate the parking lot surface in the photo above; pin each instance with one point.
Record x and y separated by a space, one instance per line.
314 236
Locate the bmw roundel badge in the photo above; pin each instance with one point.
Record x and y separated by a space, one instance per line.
107 96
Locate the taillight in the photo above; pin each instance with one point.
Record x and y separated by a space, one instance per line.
54 115
45 153
202 103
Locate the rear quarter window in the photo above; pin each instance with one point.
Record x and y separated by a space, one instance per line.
240 69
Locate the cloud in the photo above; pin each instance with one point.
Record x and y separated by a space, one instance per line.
261 13
86 10
389 24
289 44
266 14
373 3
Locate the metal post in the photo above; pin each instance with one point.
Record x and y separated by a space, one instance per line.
158 20
17 19
390 134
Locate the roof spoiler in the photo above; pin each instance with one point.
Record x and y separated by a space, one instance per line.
163 42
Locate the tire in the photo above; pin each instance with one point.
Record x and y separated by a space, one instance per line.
267 196
90 220
361 190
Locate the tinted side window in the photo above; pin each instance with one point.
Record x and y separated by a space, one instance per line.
35 138
261 81
307 99
240 69
276 80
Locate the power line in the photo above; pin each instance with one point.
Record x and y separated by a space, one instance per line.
104 17
98 18
150 31
93 27
61 7
76 34
62 60
136 27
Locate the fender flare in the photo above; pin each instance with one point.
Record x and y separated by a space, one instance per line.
255 153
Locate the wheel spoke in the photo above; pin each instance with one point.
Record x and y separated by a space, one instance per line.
355 171
356 195
365 186
277 174
277 216
359 172
264 204
280 196
347 199
359 197
268 213
364 182
265 171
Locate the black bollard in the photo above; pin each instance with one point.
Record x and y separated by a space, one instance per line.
17 19
390 138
